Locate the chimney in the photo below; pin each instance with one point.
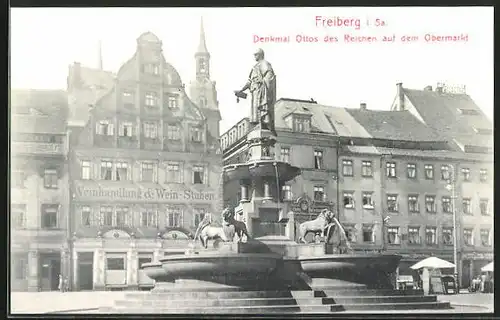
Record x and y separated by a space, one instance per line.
362 106
401 96
428 88
77 75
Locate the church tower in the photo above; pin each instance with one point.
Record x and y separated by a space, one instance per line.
202 89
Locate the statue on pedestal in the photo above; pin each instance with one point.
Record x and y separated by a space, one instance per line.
232 226
319 225
262 86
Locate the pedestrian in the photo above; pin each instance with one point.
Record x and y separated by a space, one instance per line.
61 284
483 281
66 284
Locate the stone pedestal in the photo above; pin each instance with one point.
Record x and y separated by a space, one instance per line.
260 144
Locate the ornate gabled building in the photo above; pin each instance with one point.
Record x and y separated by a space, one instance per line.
39 203
145 164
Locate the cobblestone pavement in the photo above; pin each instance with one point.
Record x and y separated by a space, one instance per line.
83 302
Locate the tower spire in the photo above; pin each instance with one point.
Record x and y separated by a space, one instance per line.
202 46
99 56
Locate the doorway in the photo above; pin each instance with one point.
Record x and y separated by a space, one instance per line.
50 269
465 283
85 278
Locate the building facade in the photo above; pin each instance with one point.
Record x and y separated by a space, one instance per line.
38 188
145 165
450 111
395 180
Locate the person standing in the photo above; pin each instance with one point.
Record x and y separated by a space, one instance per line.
61 283
483 281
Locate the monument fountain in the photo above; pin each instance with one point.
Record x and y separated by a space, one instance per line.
242 273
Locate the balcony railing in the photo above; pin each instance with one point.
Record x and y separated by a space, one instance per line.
37 148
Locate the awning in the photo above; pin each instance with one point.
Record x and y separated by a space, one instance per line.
432 263
488 267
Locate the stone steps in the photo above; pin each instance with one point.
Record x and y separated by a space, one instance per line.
397 306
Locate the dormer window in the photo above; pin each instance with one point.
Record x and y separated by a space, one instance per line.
203 102
301 124
468 112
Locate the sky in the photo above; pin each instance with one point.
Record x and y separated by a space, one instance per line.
45 41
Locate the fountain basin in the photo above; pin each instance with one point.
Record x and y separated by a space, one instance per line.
208 265
260 169
386 263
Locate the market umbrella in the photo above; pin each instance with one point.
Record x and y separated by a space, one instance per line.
432 263
488 267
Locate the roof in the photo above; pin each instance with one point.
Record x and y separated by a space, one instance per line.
149 37
394 125
38 111
441 111
325 119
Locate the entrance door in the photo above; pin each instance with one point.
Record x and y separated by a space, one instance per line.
85 271
465 283
50 267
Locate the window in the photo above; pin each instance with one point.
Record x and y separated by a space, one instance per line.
106 216
85 170
173 132
318 159
483 206
445 172
414 235
148 172
285 154
128 96
17 179
412 170
446 202
429 171
115 264
105 128
106 170
18 216
393 235
150 130
198 174
430 236
483 175
392 203
319 193
172 102
287 192
347 169
142 260
485 237
198 216
367 200
351 233
50 179
467 209
122 216
366 169
151 68
203 102
301 125
202 64
86 216
447 236
390 169
151 99
413 203
196 134
349 200
121 171
148 219
174 217
174 173
466 174
20 267
468 238
49 216
125 129
368 234
430 204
